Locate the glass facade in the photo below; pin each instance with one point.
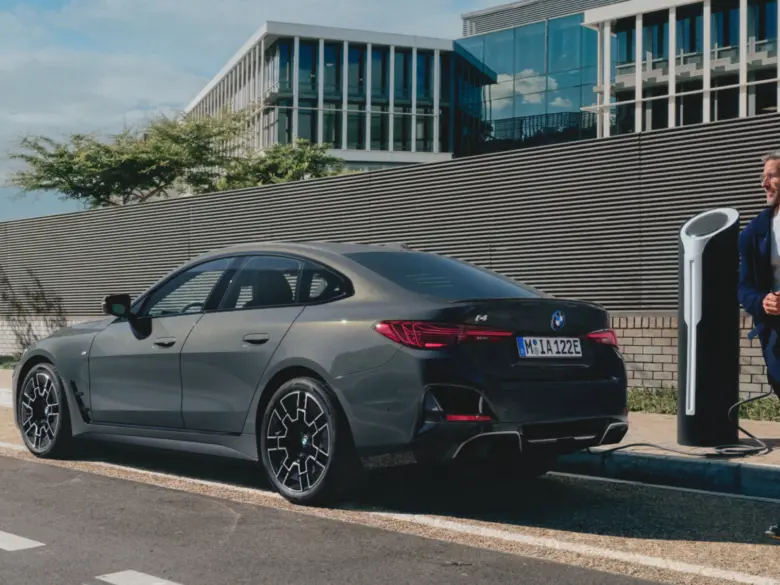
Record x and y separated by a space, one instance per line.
678 86
525 86
374 97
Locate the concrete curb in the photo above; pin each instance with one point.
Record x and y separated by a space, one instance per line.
733 476
5 398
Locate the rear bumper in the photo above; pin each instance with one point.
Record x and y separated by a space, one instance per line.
402 407
447 440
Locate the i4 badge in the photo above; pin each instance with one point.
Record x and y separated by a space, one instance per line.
480 318
557 320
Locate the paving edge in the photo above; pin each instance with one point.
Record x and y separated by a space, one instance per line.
727 476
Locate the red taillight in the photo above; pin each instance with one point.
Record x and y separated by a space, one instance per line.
425 335
605 337
468 418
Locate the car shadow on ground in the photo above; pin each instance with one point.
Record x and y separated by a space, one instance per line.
553 502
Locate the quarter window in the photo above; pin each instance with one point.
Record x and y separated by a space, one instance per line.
187 292
320 285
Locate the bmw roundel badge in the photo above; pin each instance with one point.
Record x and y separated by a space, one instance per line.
557 320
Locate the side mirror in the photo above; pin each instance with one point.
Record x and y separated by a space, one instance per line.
117 305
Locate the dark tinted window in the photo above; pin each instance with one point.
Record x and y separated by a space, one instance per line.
438 276
319 284
186 292
264 281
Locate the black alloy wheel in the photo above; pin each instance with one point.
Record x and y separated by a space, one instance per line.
305 445
42 413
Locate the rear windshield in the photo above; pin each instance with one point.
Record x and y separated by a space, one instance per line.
441 277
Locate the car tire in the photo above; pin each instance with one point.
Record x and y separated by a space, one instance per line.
309 458
43 415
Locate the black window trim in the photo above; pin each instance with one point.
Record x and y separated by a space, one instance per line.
305 265
244 259
140 303
237 261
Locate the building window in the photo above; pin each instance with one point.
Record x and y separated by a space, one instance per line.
278 74
403 75
331 125
277 125
357 72
424 130
356 127
425 76
307 120
529 60
563 43
380 128
380 74
334 63
307 68
402 129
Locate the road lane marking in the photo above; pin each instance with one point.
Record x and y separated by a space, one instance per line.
11 542
133 578
580 549
5 398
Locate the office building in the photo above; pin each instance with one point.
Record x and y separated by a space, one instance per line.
380 100
573 69
530 73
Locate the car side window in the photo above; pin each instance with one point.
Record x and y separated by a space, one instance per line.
187 292
319 284
264 281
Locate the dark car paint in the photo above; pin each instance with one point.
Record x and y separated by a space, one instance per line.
379 385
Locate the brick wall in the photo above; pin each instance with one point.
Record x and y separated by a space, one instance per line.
648 342
649 345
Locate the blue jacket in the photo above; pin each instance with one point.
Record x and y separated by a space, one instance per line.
755 282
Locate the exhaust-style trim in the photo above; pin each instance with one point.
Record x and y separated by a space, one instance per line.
611 427
488 434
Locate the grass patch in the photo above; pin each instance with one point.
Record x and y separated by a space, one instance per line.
8 362
664 401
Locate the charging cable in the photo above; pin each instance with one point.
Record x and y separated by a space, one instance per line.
720 451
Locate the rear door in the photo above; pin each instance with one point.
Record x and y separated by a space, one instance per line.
227 352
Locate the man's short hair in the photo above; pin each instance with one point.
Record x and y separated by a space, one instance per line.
774 155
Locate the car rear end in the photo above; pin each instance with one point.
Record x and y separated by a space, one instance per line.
544 374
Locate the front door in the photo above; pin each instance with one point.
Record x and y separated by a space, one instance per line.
134 366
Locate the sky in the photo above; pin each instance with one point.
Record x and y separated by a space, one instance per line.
95 66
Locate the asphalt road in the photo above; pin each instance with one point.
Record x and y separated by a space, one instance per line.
80 527
192 519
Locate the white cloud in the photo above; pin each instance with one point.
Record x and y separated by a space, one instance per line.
560 102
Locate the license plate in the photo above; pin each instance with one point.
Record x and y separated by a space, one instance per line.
549 347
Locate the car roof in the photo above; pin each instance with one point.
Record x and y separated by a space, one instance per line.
305 248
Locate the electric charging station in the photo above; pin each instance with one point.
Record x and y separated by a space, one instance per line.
708 329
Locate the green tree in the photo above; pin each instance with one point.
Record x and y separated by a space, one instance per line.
168 155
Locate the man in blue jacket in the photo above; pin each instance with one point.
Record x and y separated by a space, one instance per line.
759 277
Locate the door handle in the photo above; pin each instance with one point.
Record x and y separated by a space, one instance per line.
165 342
256 338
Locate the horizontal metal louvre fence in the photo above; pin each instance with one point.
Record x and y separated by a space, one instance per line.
520 13
595 220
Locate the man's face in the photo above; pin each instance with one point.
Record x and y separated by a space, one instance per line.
771 182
